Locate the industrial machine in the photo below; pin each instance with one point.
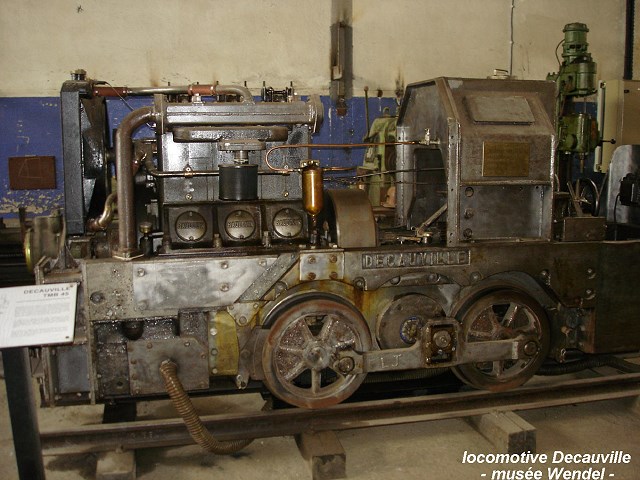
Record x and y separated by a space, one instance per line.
226 261
578 131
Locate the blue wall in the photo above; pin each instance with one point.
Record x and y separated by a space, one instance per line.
32 126
29 126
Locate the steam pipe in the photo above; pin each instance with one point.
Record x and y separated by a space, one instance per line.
124 158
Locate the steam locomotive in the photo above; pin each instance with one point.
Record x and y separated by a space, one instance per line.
229 260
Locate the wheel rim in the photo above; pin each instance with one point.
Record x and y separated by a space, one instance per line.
300 354
504 315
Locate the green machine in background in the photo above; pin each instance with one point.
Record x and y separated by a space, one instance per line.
379 161
576 78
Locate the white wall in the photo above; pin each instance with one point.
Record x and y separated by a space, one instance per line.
147 42
417 40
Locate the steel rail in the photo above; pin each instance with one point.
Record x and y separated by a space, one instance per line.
172 432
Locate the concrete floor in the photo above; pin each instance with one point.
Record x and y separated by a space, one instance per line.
432 450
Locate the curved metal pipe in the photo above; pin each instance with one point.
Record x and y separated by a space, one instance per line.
198 89
182 403
124 158
105 218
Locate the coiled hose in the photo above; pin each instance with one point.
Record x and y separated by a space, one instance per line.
197 430
588 362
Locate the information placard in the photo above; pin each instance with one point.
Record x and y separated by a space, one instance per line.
37 314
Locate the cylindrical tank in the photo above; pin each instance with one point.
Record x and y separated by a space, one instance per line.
312 192
238 182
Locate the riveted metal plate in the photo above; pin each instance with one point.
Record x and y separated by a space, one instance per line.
145 357
182 283
223 344
322 265
269 277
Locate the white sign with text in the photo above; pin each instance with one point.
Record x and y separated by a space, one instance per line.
37 314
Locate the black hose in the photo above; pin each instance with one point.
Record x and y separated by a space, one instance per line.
592 361
197 430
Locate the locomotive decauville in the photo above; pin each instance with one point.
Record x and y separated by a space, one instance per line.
210 253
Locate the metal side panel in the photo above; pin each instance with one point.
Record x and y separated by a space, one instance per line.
618 327
118 290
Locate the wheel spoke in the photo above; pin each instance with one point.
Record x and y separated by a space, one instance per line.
291 350
511 313
493 319
295 372
497 369
316 381
302 328
327 329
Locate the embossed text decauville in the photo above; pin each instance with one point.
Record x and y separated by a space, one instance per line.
415 259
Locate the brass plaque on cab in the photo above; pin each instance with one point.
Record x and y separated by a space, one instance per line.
505 159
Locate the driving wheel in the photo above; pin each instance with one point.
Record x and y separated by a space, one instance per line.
504 315
300 355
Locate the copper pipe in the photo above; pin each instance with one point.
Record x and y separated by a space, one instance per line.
326 145
124 159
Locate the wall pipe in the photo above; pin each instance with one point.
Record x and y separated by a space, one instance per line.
628 40
127 235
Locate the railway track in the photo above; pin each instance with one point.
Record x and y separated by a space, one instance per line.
294 421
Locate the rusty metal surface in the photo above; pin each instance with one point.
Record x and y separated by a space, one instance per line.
581 229
170 432
322 265
146 356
